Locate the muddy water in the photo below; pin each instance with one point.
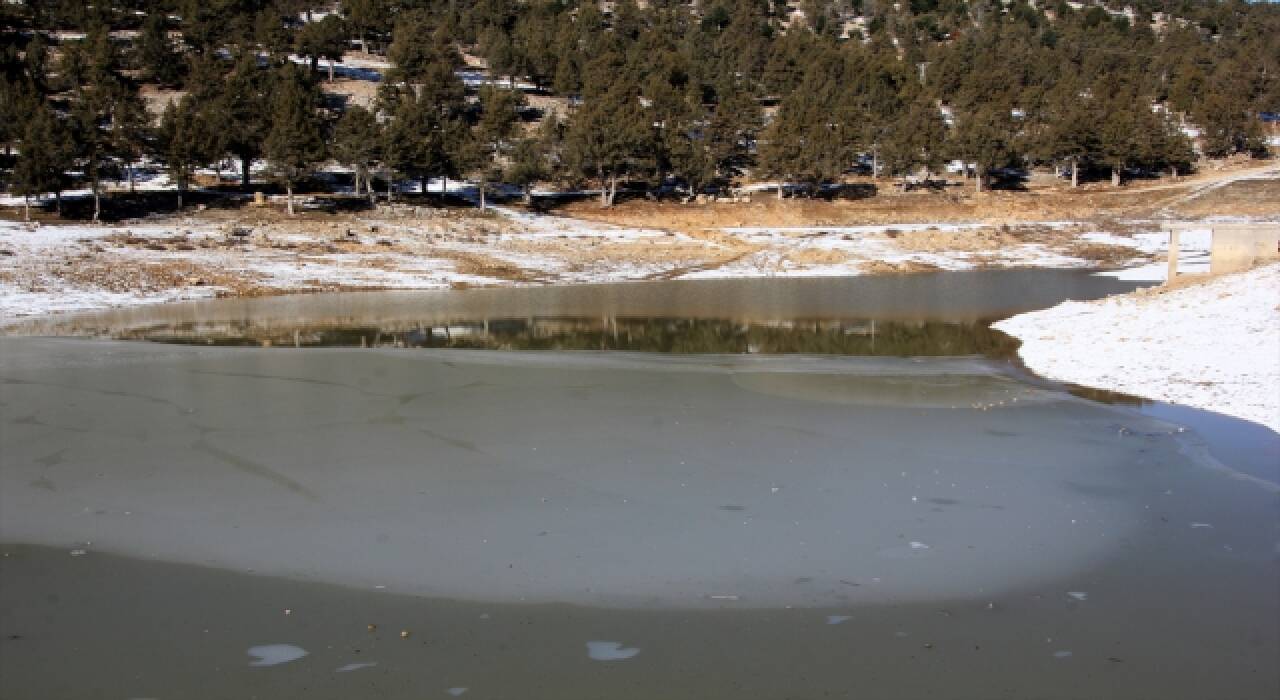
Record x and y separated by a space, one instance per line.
214 522
934 314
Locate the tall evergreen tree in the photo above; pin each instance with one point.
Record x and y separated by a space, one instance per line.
984 136
494 135
177 143
1065 129
532 158
156 56
609 136
295 142
325 39
732 130
357 142
45 158
414 140
1228 125
915 140
369 20
241 112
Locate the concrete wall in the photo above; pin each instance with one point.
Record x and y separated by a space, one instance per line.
1233 247
1241 246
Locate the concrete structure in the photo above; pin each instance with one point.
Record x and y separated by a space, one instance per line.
1233 247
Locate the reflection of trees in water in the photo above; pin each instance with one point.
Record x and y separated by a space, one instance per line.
855 337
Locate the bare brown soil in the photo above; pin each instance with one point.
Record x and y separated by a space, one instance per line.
1246 198
958 203
879 267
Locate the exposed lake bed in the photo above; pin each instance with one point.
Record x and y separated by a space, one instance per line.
614 524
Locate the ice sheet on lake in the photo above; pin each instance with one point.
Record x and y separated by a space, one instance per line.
593 479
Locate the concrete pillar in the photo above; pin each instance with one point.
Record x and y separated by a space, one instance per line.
1173 254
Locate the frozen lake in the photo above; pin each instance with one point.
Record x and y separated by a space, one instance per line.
613 524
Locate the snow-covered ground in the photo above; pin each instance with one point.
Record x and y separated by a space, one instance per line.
58 268
1214 346
1193 252
812 251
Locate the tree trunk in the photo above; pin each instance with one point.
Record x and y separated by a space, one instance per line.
288 188
444 187
875 163
132 190
604 189
180 189
978 176
1075 172
613 189
782 187
1174 171
97 201
26 207
482 197
245 163
1115 177
331 70
528 195
424 186
57 202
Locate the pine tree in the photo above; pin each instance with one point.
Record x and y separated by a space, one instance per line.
131 127
35 62
916 140
368 19
420 52
985 137
610 136
1118 139
414 141
46 155
324 39
494 133
104 115
532 158
357 141
241 112
177 144
273 34
92 142
732 130
295 141
1065 129
159 62
1227 124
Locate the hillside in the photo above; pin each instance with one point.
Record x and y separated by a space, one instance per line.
373 97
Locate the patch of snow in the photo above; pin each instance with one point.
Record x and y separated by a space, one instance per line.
610 651
1212 346
1193 252
275 654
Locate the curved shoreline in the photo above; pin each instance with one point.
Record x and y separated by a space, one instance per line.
1212 345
